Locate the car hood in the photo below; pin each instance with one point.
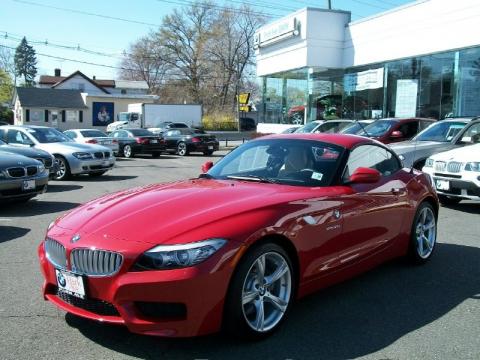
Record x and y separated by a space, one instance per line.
70 147
13 160
463 154
158 213
28 152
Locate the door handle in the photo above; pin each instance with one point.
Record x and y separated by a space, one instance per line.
396 191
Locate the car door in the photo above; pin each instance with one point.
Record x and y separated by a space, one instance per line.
373 213
171 139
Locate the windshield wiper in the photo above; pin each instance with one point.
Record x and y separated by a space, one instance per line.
252 178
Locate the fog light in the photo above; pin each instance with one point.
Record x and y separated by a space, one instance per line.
85 168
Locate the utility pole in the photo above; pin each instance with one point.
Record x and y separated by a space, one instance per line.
329 2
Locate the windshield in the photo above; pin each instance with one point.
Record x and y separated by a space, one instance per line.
141 132
48 135
379 127
442 131
92 133
354 129
284 161
2 143
307 128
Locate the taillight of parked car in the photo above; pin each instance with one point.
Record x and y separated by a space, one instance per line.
114 141
196 140
92 141
142 141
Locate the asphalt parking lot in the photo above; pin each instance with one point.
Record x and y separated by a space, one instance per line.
393 312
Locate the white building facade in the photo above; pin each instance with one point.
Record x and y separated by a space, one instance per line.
420 59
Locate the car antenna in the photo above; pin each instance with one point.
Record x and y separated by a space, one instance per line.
363 128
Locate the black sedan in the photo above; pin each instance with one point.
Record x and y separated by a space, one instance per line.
185 141
46 158
132 142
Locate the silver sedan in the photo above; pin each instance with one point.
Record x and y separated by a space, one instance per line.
72 158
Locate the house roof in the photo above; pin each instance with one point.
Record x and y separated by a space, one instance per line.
50 98
50 80
131 84
85 77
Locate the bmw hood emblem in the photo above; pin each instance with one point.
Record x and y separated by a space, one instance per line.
75 238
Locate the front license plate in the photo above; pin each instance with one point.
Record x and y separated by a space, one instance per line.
105 163
210 147
28 185
154 141
70 283
442 184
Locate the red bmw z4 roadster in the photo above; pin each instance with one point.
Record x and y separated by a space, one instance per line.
275 219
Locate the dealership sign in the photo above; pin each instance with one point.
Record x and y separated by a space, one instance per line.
364 80
272 33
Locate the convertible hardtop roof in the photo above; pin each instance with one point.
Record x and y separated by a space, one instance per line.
344 140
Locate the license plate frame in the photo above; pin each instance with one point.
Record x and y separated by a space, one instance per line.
154 141
28 185
71 283
210 147
441 184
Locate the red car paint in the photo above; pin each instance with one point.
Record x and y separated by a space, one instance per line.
374 227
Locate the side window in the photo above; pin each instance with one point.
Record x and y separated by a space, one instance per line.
71 134
2 134
16 137
371 156
472 134
409 129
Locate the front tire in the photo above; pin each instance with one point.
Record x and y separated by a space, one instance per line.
260 293
423 235
63 172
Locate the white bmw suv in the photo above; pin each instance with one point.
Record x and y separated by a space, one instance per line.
455 174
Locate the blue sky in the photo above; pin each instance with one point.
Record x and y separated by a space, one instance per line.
40 22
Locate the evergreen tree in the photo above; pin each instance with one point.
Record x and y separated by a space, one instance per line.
25 62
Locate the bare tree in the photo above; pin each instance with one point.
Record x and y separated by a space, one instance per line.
7 62
146 61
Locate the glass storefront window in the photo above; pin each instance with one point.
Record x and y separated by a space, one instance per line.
468 94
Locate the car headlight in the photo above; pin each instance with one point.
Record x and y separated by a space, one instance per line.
2 175
82 155
41 168
429 162
472 166
164 257
401 157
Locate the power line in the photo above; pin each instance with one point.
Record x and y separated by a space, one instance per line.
103 16
209 77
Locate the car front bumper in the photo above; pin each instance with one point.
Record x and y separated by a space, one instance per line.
464 185
13 188
172 303
78 166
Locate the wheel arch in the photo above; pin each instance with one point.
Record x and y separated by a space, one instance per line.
430 200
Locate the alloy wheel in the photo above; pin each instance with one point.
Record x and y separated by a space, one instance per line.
127 151
266 291
62 168
425 232
182 149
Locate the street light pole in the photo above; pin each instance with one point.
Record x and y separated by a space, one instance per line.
329 2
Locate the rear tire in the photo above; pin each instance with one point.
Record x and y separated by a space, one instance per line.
63 172
127 151
447 200
423 236
260 293
182 149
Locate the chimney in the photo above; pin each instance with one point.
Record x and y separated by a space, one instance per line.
58 72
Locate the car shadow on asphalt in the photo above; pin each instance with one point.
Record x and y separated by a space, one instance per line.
8 233
36 207
54 188
472 208
352 319
106 177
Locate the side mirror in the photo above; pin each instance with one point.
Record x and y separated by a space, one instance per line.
397 134
207 166
365 176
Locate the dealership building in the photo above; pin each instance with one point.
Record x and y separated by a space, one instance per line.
421 59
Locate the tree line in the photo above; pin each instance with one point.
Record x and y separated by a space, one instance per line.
201 53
